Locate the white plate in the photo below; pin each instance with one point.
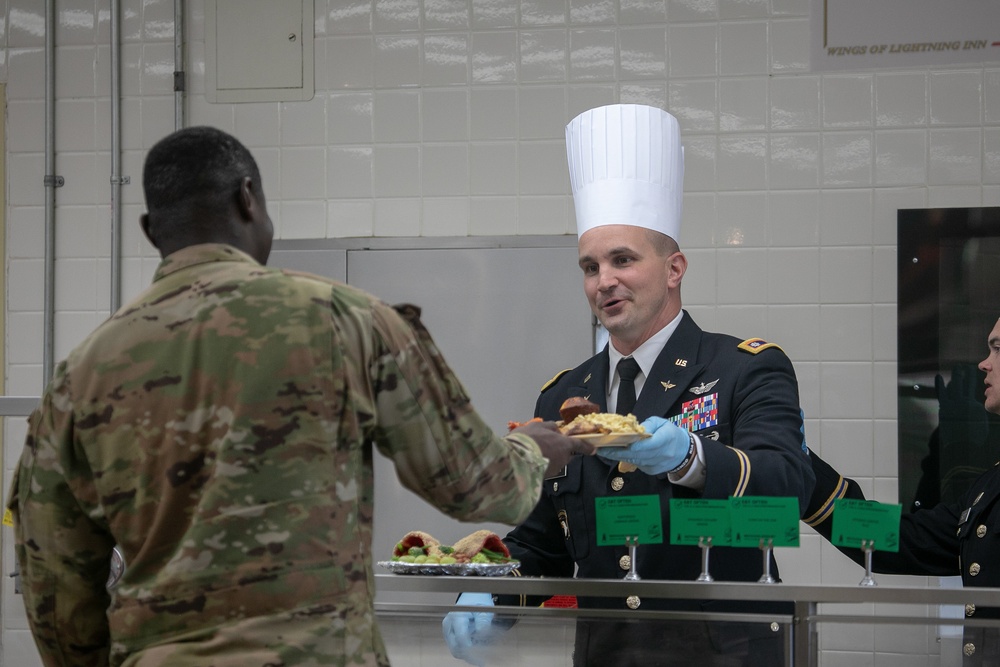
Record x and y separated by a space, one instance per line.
452 569
611 439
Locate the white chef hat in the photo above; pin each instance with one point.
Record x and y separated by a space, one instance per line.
626 166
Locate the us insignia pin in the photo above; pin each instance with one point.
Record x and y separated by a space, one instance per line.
681 362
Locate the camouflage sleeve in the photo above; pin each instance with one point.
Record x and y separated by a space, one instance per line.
442 449
64 556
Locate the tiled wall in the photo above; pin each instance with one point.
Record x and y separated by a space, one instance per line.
445 118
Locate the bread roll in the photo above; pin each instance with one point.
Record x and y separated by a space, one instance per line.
575 406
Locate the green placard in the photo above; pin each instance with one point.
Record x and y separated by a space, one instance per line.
856 520
620 518
692 519
757 518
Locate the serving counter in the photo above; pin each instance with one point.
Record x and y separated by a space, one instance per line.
922 623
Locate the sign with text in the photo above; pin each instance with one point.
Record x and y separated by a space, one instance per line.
623 518
874 522
763 518
692 519
862 34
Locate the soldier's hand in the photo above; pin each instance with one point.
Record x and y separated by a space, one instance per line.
555 446
468 633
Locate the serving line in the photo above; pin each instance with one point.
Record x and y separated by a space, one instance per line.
803 624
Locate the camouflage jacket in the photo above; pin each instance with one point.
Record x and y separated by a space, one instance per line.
219 429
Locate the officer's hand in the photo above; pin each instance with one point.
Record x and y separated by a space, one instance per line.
468 633
661 453
555 446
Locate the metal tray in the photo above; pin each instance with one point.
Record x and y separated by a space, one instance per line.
451 569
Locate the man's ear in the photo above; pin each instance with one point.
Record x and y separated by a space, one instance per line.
678 267
147 229
246 198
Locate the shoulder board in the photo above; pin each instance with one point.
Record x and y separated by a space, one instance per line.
755 345
555 379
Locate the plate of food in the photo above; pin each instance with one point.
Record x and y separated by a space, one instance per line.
622 439
481 554
453 569
582 419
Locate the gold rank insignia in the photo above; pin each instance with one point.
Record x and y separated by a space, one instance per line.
755 345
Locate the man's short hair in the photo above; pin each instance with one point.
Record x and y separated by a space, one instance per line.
196 166
662 244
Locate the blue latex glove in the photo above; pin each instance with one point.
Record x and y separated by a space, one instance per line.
661 453
467 633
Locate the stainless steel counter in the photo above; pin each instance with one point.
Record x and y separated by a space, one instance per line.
815 606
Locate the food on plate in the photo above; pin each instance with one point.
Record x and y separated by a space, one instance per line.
582 417
418 543
574 406
602 422
511 425
482 546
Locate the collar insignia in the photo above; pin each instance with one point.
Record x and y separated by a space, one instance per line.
703 387
668 385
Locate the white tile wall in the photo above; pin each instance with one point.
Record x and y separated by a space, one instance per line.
445 118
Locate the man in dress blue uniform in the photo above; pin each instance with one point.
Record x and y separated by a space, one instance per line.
723 412
951 538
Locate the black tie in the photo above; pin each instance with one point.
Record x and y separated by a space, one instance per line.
627 370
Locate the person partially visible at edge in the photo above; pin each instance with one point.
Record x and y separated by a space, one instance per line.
723 413
960 538
219 429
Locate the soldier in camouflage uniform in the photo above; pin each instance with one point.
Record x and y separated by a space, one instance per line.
219 430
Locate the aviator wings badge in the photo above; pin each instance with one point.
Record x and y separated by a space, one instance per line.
703 387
